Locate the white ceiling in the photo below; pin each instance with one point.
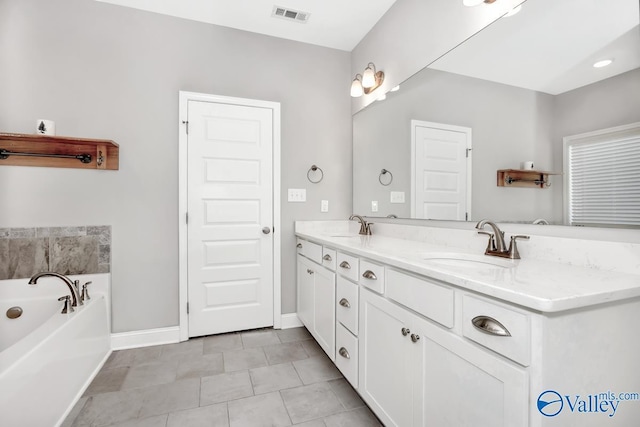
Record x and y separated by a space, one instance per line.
551 45
337 24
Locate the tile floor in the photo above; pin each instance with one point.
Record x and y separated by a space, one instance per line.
255 378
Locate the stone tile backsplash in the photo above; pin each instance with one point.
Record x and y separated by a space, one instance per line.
66 250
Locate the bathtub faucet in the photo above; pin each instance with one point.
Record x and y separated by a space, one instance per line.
65 279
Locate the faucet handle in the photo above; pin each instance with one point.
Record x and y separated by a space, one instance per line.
68 308
513 247
491 245
85 292
76 285
367 228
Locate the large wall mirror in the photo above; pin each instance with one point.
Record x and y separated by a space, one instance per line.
508 95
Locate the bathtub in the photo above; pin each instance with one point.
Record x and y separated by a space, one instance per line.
47 359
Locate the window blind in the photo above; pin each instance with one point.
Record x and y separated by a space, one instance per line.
604 181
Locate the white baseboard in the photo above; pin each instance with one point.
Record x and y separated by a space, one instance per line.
290 320
145 338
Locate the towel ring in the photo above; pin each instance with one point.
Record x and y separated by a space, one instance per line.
384 172
314 168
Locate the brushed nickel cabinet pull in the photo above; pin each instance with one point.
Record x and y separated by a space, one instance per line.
490 326
369 275
345 264
345 303
327 257
344 353
299 246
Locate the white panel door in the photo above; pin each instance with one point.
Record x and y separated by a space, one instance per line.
230 198
440 187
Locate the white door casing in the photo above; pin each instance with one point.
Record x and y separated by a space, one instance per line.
229 185
440 171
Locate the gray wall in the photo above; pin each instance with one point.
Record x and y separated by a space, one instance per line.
103 71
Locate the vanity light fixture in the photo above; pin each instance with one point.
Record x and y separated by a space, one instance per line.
366 83
603 63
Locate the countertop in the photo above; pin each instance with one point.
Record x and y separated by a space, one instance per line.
542 286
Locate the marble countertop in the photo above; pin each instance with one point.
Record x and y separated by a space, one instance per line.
537 285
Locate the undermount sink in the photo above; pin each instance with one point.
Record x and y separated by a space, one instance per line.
344 235
467 260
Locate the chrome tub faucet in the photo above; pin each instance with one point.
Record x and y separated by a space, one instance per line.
75 300
496 245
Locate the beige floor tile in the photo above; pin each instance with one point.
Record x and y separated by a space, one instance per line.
311 402
107 380
244 359
259 338
316 369
204 416
258 411
183 394
281 353
293 334
224 387
110 408
273 378
221 343
150 374
202 366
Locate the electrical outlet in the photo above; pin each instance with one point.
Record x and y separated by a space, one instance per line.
374 206
297 195
324 206
397 197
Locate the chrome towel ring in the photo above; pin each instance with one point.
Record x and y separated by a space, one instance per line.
385 172
314 169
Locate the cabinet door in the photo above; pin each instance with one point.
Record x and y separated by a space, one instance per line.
384 380
324 310
458 384
305 291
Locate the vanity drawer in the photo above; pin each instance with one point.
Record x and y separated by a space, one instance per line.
347 354
313 251
493 322
329 258
422 295
372 276
347 266
347 304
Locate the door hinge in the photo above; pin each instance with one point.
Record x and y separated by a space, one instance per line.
186 125
186 218
467 154
187 308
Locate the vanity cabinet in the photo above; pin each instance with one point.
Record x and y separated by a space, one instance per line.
415 373
316 286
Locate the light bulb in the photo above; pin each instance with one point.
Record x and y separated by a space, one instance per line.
369 76
356 87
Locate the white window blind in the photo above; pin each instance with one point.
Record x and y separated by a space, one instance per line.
603 171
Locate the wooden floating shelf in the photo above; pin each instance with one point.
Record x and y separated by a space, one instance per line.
524 178
102 153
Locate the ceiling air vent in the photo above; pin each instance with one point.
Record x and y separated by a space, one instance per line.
290 14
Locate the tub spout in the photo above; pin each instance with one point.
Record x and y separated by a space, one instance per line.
65 279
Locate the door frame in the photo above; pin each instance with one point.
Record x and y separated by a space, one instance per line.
466 130
184 98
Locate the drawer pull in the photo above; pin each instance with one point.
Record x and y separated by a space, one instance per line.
327 257
405 331
345 264
299 246
344 353
345 303
369 275
490 326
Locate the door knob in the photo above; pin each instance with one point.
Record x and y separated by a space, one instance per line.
266 230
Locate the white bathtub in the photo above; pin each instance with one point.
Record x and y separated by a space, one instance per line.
47 359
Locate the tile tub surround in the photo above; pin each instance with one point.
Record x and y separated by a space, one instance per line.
65 250
254 378
554 274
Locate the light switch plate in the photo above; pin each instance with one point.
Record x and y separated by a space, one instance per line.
297 195
324 206
397 197
374 206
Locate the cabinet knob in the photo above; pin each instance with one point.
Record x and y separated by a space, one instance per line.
309 271
345 303
345 264
299 246
266 230
405 331
490 326
344 353
327 257
369 275
415 337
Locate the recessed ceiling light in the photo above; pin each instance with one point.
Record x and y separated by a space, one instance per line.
603 63
513 11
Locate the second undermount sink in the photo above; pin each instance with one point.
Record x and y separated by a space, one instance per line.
460 260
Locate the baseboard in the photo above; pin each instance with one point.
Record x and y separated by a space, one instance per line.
290 320
145 338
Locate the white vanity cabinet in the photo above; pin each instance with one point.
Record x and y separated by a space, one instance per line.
316 286
415 373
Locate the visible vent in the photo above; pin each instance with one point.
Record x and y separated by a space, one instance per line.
290 14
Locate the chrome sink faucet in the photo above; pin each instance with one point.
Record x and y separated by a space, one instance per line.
75 300
496 245
365 227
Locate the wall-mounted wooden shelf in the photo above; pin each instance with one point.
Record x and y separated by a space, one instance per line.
524 178
18 149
